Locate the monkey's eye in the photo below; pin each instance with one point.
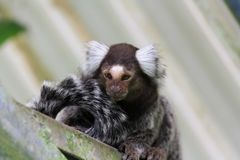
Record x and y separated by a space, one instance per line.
108 76
125 77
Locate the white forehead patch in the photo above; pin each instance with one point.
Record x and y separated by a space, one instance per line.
117 71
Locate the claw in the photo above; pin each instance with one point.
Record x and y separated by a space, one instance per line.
130 151
154 153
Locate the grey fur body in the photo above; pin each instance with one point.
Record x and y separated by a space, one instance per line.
153 135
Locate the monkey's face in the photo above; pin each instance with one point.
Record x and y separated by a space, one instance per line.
117 79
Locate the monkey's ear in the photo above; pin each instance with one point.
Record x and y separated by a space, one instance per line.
95 54
149 59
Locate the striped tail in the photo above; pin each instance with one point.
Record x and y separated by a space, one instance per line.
84 106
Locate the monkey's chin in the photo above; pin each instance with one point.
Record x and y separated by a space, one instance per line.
118 98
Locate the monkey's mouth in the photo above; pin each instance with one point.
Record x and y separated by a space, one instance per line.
116 95
117 98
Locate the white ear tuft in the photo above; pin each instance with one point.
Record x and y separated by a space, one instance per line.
95 54
148 58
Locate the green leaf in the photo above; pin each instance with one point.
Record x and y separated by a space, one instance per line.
8 29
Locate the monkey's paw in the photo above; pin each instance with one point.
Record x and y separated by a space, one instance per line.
153 153
130 151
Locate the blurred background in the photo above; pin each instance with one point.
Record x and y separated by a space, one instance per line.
200 43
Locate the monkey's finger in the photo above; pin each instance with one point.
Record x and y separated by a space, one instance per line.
150 157
157 157
124 157
144 155
130 157
127 157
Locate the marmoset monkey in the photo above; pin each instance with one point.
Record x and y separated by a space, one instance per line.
118 102
131 77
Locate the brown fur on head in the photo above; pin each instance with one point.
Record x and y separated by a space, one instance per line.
118 70
123 69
